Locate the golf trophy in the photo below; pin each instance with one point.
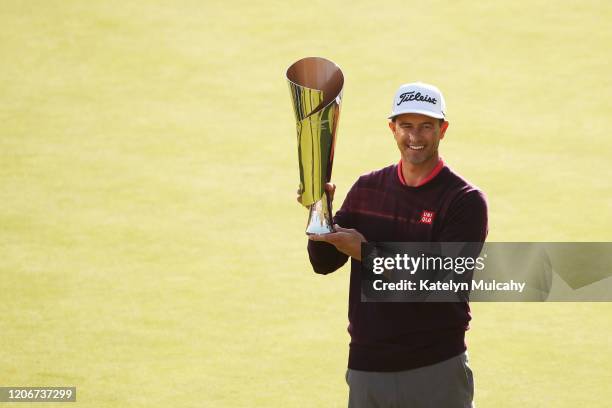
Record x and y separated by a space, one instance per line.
316 92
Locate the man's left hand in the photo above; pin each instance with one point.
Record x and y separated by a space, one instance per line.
346 240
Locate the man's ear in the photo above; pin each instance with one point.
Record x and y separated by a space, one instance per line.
392 126
443 128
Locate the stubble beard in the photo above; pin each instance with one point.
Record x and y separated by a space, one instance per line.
417 158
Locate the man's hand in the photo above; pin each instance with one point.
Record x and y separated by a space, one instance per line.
345 240
329 187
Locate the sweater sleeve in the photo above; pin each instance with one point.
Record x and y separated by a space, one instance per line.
467 219
324 257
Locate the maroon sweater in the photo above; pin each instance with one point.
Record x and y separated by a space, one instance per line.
401 336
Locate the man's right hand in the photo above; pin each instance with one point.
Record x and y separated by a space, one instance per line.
346 240
330 188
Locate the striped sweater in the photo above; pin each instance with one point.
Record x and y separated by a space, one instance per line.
445 208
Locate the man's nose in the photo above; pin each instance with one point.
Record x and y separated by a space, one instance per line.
414 134
415 131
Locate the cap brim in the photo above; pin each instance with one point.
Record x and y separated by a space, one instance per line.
420 111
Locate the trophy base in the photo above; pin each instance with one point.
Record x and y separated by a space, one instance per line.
319 218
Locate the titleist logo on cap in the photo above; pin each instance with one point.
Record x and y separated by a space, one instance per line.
412 96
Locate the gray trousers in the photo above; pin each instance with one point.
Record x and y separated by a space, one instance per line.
448 384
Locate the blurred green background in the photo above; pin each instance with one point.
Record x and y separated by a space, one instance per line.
151 249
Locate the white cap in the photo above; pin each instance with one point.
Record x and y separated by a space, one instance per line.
418 97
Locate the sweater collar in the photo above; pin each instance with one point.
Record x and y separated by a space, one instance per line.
434 172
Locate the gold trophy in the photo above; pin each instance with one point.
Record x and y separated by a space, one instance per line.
316 92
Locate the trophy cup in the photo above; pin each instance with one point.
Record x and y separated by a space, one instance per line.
316 92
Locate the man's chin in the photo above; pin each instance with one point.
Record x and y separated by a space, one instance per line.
417 159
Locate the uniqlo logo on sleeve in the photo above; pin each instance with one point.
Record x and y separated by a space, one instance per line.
427 217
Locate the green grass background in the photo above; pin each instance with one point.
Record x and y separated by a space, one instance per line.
151 249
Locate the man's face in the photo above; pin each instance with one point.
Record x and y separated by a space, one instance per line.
417 136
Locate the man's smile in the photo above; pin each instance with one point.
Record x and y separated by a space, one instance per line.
416 147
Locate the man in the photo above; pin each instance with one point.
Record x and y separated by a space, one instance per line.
406 354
